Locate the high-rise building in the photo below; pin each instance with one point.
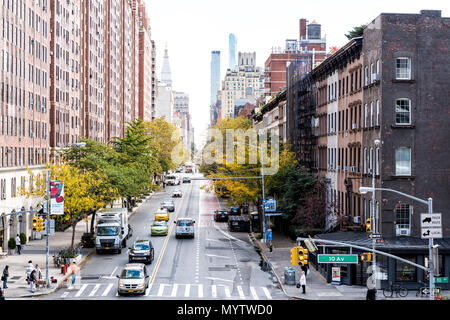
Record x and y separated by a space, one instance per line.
166 74
215 75
232 46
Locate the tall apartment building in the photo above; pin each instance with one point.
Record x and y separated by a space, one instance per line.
309 44
181 106
245 82
376 109
93 69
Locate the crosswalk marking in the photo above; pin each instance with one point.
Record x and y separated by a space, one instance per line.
65 294
147 292
187 290
200 291
214 291
253 291
267 293
161 290
227 292
174 290
108 288
83 287
241 292
93 292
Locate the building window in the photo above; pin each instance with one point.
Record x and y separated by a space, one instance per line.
404 271
365 160
377 161
403 111
403 161
365 115
403 69
377 121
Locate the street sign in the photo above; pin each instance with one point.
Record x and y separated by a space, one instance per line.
441 280
270 205
374 235
431 225
338 258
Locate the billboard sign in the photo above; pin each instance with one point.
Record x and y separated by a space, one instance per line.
56 197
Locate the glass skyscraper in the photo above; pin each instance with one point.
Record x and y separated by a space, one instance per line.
215 75
232 52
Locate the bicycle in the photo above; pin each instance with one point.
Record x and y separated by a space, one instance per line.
397 289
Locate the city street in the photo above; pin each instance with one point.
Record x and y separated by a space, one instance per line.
215 264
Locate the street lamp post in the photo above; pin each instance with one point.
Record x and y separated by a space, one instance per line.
429 203
374 215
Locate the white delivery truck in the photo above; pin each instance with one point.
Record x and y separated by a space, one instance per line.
112 229
173 180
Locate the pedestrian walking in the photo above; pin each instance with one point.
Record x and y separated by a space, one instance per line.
30 268
33 279
18 244
5 276
74 269
38 275
303 282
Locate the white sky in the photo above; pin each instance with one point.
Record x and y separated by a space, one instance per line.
193 28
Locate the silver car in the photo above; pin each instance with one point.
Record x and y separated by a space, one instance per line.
133 279
176 193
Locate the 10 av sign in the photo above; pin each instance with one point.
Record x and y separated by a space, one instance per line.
338 258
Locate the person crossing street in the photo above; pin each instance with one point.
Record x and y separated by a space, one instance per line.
18 244
5 276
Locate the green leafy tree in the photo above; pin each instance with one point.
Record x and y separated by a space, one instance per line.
356 32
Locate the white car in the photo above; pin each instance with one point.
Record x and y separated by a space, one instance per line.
177 193
184 228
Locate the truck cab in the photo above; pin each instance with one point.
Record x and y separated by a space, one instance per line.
112 230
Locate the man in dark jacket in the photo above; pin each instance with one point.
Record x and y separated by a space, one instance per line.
33 279
5 276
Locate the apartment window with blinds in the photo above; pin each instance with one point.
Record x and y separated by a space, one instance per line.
403 216
403 112
403 161
403 69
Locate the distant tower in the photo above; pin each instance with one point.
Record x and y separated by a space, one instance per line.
232 47
215 75
166 74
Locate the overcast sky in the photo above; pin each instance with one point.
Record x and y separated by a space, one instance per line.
193 28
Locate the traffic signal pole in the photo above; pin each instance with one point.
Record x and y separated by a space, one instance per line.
47 225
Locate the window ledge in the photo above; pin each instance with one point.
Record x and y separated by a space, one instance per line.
403 126
403 80
402 177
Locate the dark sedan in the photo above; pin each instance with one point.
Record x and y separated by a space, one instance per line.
221 215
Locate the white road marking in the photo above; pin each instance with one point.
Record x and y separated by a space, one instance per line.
161 290
65 294
200 291
187 290
174 290
83 287
219 279
267 293
241 292
216 256
108 288
253 291
227 292
114 271
94 291
214 291
147 292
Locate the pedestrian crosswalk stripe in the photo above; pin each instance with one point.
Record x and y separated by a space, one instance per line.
174 290
93 292
214 291
267 293
253 291
65 294
227 292
147 292
200 291
83 287
108 288
187 290
241 292
161 290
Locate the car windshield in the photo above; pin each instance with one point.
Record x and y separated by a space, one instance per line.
159 224
107 231
132 274
141 246
167 203
185 223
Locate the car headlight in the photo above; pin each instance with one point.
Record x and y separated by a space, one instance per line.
141 286
131 253
121 285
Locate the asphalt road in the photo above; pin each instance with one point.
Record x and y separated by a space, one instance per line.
215 264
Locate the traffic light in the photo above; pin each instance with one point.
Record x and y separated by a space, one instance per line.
35 224
366 257
294 256
41 223
303 256
369 225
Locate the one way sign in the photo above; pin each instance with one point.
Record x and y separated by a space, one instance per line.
431 225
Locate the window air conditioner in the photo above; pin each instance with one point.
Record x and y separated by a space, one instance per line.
376 77
357 219
354 126
403 232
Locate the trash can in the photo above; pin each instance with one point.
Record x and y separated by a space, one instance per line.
289 276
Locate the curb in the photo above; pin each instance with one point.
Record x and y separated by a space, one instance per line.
81 263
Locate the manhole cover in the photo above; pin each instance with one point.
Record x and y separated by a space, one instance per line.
15 278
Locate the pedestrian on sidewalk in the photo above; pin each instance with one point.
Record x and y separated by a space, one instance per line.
74 272
18 244
38 276
33 279
5 276
303 282
30 268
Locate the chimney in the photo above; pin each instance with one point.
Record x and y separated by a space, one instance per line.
302 29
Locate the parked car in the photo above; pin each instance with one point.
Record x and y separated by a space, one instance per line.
142 250
133 279
221 215
162 214
169 205
234 211
184 228
159 228
238 223
177 193
186 180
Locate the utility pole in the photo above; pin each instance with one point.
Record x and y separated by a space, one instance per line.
430 248
263 195
374 215
47 224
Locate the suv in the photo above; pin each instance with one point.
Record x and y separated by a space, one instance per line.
133 279
234 211
184 228
142 250
221 215
177 193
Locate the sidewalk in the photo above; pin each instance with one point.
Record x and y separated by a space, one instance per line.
35 251
317 287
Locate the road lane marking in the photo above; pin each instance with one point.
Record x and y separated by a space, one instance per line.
267 293
216 256
174 290
214 291
83 287
200 291
187 290
65 294
218 279
108 288
114 271
161 290
147 292
241 292
94 291
253 291
227 292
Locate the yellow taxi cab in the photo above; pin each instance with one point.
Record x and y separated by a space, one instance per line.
162 214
